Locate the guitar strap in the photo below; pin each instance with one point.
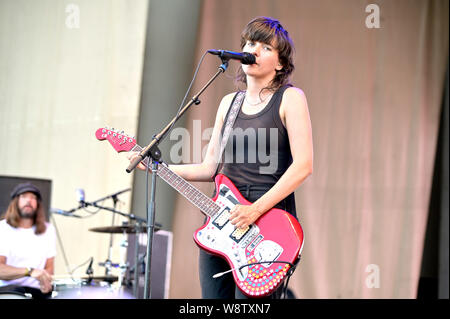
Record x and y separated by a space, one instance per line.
231 118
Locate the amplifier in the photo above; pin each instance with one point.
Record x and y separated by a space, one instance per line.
161 260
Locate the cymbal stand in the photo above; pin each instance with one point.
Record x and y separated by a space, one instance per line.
108 259
123 260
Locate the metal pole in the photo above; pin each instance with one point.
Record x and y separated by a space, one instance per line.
150 229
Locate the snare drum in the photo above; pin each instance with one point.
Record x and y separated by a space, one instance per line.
62 286
13 292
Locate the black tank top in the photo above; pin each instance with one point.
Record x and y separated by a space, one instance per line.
257 150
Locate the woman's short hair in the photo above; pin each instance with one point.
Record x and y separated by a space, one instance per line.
270 31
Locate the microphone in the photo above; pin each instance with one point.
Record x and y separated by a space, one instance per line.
244 57
63 212
80 196
90 270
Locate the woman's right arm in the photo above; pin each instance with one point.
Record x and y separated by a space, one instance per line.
204 171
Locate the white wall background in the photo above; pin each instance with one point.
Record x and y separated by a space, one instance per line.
68 68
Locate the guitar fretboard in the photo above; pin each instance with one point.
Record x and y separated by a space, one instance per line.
191 193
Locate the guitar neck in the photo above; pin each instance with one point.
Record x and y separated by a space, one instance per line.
191 193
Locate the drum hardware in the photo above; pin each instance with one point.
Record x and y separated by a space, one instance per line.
82 288
136 227
90 270
109 279
128 229
123 266
110 265
84 204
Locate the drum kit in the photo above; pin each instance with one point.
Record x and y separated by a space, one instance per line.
108 286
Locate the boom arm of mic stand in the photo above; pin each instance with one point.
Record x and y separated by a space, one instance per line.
150 148
116 212
112 195
94 204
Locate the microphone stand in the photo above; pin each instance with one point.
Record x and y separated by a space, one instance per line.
152 151
113 196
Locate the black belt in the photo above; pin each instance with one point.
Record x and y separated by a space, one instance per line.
247 188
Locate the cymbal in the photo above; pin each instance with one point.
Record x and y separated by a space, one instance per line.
128 229
109 279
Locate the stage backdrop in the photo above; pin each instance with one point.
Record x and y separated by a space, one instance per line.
374 95
66 69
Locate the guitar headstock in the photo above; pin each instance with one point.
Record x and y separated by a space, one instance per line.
119 140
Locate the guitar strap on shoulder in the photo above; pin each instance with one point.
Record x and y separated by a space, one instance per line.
231 118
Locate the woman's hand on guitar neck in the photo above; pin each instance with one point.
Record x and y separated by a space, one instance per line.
132 155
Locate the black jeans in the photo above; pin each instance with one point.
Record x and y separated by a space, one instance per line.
209 265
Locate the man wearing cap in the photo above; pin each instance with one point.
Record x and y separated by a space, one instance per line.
27 244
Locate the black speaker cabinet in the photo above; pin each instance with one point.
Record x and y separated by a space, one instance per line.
160 263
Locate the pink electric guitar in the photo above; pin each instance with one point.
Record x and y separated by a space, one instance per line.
261 255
